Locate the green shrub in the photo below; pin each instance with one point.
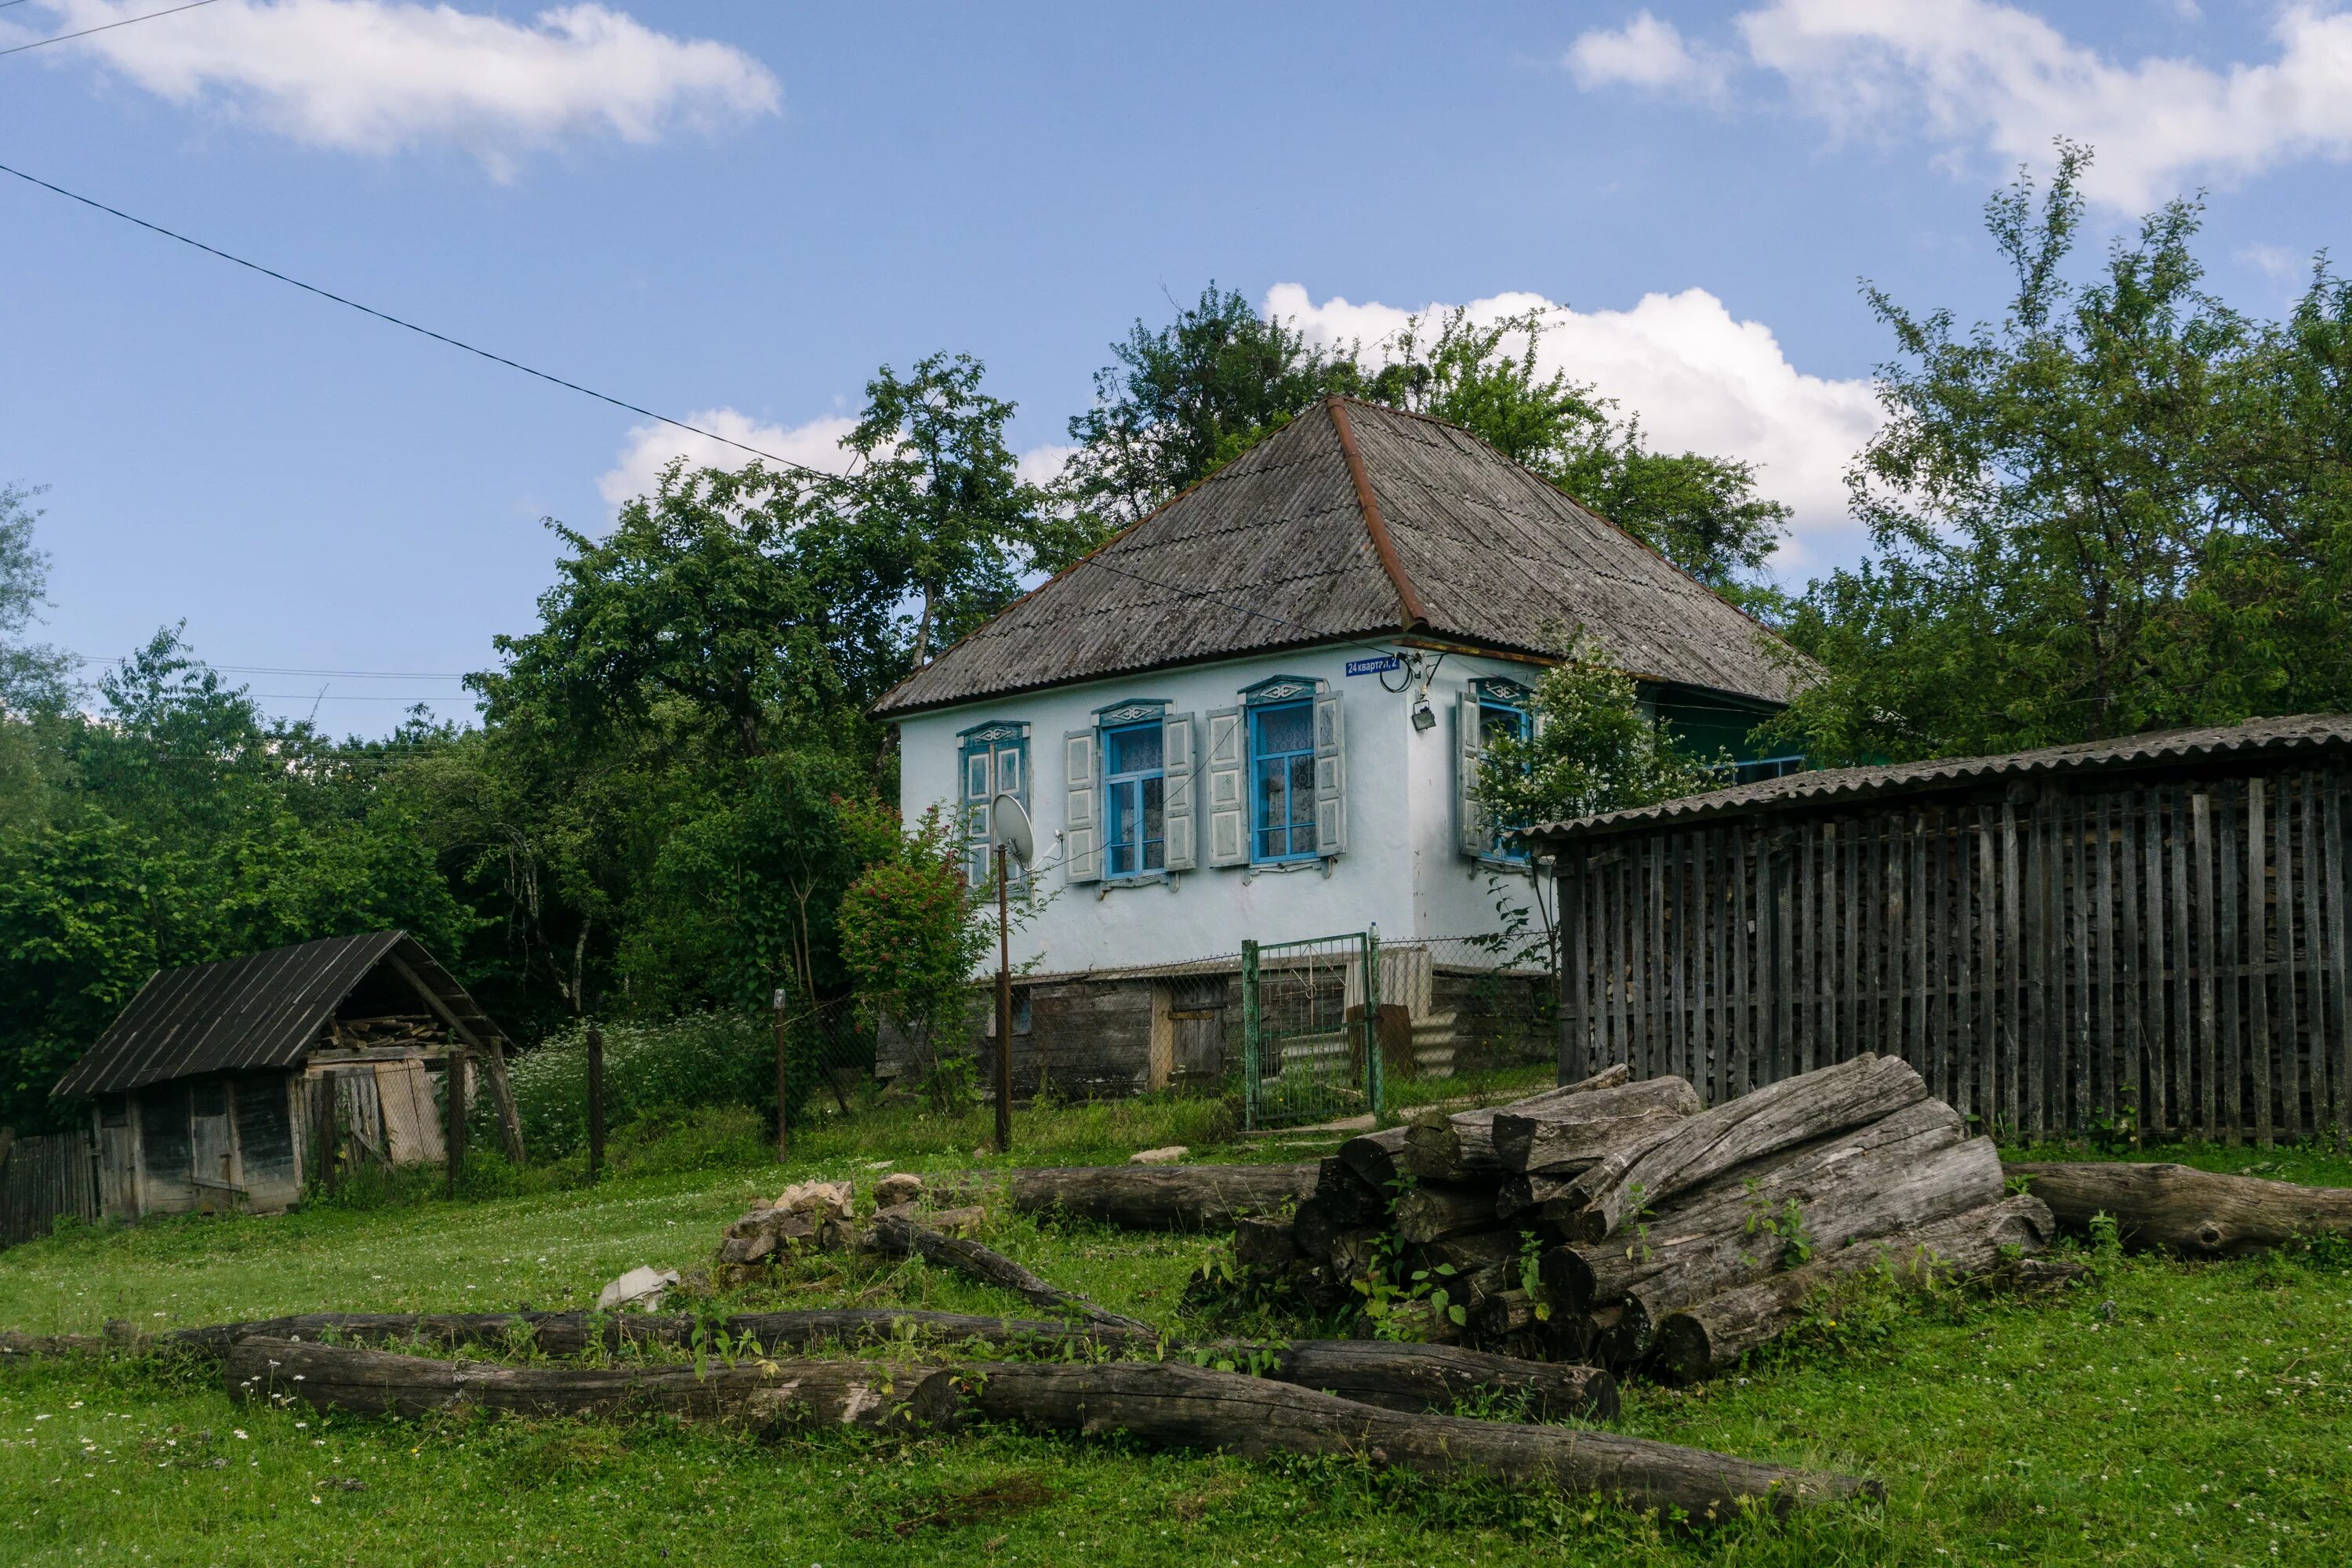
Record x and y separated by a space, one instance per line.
654 1073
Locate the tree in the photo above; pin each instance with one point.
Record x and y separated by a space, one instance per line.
1182 400
33 678
1592 750
2123 508
912 932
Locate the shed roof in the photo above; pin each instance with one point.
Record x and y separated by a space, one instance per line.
261 1011
1359 522
2257 740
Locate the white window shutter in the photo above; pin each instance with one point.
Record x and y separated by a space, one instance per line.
1082 844
1176 797
1228 789
1330 777
1470 818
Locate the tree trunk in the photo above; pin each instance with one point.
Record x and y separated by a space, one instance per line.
1175 1405
1795 1111
1141 1198
898 1234
1706 1337
1415 1377
2193 1213
1572 1134
1456 1148
765 1394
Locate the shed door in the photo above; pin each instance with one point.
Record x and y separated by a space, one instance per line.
163 1150
212 1146
1196 1017
265 1143
411 1122
118 1159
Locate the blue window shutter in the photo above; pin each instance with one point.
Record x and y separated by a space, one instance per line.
1228 788
1082 845
1176 786
1330 777
1472 819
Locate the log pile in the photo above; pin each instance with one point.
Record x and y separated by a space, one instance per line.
1619 1221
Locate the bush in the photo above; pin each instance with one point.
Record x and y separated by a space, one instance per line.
654 1073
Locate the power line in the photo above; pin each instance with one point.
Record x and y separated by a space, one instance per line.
102 27
293 669
410 326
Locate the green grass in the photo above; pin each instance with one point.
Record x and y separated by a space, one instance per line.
2165 1414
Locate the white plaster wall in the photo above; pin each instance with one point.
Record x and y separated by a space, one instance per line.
1400 870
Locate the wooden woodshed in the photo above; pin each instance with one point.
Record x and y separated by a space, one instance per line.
2147 933
211 1091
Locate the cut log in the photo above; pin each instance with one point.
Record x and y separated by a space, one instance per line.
1466 1251
1346 1197
1439 1147
2182 1210
1909 1169
1175 1405
1267 1246
1427 1213
1573 1133
1162 1197
1418 1377
1779 1116
1703 1339
1504 1314
1374 1157
1521 1192
900 1234
765 1394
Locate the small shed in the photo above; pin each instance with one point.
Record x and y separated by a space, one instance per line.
2141 933
212 1087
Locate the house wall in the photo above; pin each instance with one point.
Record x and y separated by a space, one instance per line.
1403 868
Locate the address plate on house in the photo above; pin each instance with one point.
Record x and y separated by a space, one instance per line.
1374 666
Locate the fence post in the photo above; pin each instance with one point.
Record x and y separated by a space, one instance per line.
323 1114
455 1138
596 1102
783 1083
1249 1034
1375 1080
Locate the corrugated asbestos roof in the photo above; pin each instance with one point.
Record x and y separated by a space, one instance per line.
1279 550
2256 739
261 1011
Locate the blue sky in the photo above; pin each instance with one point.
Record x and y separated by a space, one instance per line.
737 210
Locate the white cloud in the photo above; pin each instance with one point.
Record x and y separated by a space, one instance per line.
1977 75
816 445
1644 52
383 76
1700 380
1041 465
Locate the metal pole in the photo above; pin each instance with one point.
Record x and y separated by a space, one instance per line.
1003 1013
783 1084
596 1102
1251 1046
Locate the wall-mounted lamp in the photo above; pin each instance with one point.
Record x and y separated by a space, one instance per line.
1422 719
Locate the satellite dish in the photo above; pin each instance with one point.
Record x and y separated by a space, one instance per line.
1012 820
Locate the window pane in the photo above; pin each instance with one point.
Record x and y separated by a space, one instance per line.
1135 749
1155 825
1302 791
1272 808
1286 729
1495 721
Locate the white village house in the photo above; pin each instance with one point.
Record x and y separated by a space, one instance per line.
1254 715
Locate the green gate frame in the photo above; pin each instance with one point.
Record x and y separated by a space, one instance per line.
1319 1099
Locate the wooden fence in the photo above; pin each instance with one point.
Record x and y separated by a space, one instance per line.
42 1178
2051 959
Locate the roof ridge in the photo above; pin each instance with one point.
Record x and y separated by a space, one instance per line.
1410 612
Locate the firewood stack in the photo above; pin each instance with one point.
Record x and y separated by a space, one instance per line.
392 1032
1619 1223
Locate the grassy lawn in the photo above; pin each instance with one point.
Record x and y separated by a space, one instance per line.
2166 1414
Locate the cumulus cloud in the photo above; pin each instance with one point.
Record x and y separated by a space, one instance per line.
1645 52
384 76
1701 381
648 447
1977 75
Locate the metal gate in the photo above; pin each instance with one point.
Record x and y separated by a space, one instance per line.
1310 1017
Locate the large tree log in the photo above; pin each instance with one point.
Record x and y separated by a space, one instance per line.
1346 1197
1778 1116
1177 1405
1425 1214
1572 1134
1162 1197
1455 1148
2193 1213
1706 1337
1375 1157
1414 1377
762 1393
1904 1171
898 1233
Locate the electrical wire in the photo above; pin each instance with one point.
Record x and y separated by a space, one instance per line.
103 28
410 326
